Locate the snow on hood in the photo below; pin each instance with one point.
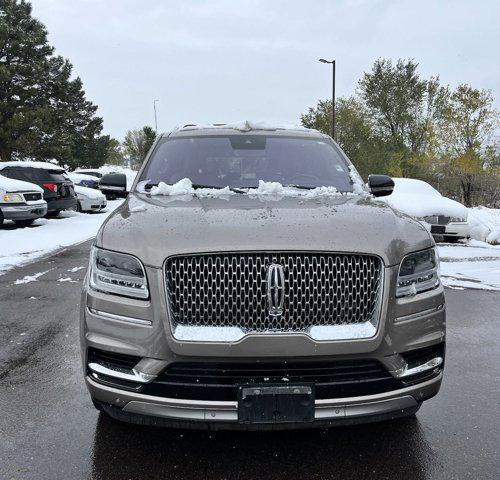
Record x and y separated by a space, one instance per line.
185 187
88 192
11 185
275 188
31 164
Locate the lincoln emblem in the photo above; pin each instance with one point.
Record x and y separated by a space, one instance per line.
275 289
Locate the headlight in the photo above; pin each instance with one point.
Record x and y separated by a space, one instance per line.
13 198
457 219
418 272
117 273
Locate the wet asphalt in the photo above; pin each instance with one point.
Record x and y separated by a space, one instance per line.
50 430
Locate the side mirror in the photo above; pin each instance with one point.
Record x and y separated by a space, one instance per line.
380 185
113 185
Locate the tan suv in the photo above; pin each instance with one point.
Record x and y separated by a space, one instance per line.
250 280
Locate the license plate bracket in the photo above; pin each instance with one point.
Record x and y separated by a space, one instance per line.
268 404
438 229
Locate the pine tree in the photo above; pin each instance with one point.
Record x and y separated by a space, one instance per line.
43 112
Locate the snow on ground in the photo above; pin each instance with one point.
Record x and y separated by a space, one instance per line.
22 245
472 265
30 278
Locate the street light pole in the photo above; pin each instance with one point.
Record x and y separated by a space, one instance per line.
332 62
156 119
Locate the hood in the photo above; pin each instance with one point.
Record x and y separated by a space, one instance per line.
88 192
12 185
154 228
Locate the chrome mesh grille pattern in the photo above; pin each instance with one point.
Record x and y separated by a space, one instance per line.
230 290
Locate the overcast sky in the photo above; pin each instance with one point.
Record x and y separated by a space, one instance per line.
229 60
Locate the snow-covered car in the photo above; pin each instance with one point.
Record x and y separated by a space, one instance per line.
21 202
84 180
444 218
89 199
57 188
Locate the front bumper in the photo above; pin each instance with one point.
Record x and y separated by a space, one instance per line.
92 204
452 229
24 212
144 409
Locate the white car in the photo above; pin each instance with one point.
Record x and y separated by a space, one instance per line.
21 202
89 199
444 218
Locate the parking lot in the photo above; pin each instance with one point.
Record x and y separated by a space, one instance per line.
50 429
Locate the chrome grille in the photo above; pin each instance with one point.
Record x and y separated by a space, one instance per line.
30 197
230 290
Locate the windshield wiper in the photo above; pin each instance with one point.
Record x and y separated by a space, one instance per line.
149 186
216 187
300 187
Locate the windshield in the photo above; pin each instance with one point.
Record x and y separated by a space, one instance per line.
240 161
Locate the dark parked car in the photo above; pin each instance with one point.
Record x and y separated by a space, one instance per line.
58 189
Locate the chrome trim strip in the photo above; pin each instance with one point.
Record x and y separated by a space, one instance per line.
132 376
417 315
119 318
408 372
230 414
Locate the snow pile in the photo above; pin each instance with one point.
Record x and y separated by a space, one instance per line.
11 185
185 187
22 245
485 224
271 188
418 199
277 189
